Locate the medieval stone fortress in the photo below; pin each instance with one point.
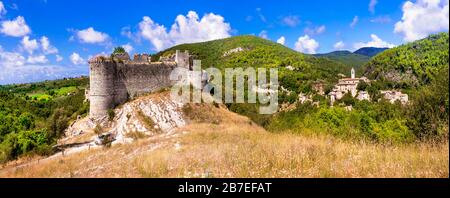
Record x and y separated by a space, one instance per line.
115 79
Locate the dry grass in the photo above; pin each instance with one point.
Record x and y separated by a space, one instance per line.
236 147
236 151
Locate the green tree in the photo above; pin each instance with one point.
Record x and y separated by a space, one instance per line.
119 50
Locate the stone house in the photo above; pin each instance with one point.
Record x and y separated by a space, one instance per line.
393 96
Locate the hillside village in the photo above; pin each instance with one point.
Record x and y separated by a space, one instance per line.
350 86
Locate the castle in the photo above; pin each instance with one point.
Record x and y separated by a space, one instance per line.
115 79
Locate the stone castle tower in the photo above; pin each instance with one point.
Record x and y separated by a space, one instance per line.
113 80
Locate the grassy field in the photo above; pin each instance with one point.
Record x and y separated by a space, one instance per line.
57 92
233 146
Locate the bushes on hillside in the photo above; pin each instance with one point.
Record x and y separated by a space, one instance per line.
375 122
32 126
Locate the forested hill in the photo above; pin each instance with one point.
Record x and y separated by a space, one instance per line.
413 64
252 51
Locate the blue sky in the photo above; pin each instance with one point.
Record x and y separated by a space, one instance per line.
47 39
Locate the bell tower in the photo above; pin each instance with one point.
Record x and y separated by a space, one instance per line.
353 73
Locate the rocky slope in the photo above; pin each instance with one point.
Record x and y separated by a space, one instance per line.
144 116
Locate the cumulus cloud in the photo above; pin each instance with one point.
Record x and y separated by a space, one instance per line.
281 40
375 42
76 59
16 28
47 47
2 9
354 21
186 29
291 20
339 45
372 5
29 45
10 59
39 59
306 44
34 73
18 69
422 18
90 35
155 33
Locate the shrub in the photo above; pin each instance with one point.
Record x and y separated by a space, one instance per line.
111 114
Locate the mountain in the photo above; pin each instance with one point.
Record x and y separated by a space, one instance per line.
411 64
347 58
252 51
370 51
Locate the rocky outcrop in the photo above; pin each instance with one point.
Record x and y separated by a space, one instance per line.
145 116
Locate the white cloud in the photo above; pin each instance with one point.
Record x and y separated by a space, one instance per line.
372 5
423 18
354 21
29 45
339 45
375 42
15 68
58 58
321 29
40 59
155 33
281 40
47 47
317 30
306 45
128 48
381 19
90 35
10 59
261 15
2 9
263 34
76 59
186 29
291 20
15 28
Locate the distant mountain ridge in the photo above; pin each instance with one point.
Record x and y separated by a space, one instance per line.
370 51
346 57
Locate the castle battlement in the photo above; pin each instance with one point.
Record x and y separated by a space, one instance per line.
115 79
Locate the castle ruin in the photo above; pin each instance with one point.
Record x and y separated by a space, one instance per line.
115 79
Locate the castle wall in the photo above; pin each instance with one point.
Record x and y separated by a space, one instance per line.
136 78
113 80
